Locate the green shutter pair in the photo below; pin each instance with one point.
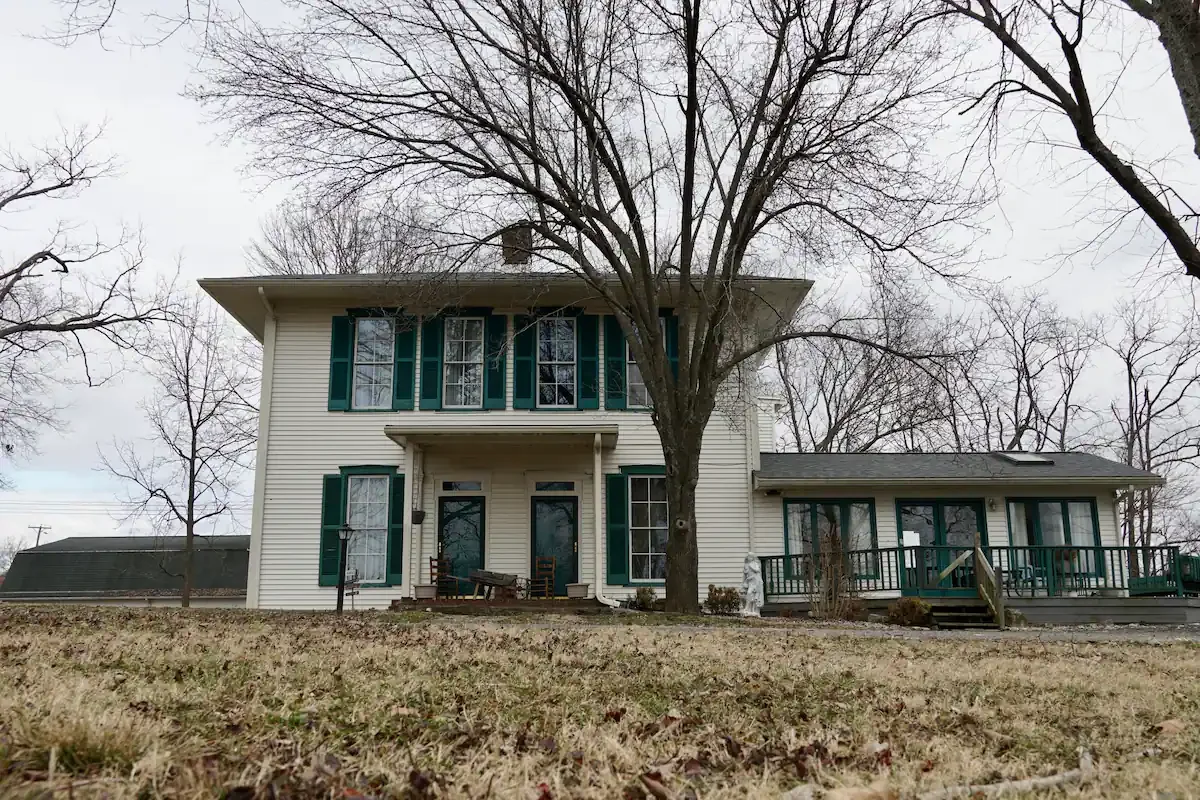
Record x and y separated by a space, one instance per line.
587 362
341 362
495 335
333 516
615 353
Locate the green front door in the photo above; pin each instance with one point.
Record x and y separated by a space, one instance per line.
555 522
460 536
946 529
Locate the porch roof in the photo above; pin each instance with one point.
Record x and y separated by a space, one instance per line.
786 470
450 432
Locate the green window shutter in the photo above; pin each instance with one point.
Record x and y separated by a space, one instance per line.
333 513
395 546
524 361
672 336
404 370
614 363
587 342
341 352
431 363
617 529
493 377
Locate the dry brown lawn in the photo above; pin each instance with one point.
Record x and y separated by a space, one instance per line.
125 703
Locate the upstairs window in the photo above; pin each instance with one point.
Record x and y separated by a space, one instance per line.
637 394
374 351
463 363
556 362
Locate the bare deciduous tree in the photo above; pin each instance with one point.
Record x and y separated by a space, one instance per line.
1158 411
657 148
201 413
1044 60
843 397
346 237
9 547
59 299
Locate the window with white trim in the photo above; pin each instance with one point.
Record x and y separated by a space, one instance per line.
648 528
556 362
637 395
463 363
374 352
367 516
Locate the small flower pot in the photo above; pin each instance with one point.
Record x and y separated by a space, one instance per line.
577 591
425 591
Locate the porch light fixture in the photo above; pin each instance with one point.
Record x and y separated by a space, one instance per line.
344 533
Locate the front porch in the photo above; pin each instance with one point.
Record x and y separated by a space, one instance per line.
1058 584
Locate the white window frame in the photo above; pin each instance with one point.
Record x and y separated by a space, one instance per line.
631 365
357 540
573 363
389 364
649 517
446 361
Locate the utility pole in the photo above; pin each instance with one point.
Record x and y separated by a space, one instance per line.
40 529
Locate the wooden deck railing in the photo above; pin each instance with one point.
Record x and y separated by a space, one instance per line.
1014 571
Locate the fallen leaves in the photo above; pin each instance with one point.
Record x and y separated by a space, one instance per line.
1170 727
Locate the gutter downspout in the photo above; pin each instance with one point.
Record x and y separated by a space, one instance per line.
597 476
254 568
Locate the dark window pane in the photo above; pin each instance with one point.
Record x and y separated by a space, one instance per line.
660 540
640 542
658 489
462 486
640 515
641 567
638 489
659 567
554 486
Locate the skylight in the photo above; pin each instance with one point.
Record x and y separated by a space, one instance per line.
1022 457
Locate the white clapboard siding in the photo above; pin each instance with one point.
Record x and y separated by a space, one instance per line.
305 442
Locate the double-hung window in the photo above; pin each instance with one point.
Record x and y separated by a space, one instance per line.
374 345
367 515
556 363
648 529
637 395
463 363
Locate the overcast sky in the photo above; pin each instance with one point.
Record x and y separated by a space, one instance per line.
188 192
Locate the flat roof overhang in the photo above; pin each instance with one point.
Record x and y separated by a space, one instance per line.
501 433
761 483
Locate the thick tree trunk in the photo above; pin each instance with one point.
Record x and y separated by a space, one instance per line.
1178 24
683 554
186 598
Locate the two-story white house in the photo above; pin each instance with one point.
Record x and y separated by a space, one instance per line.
512 424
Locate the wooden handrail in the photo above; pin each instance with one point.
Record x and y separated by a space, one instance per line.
955 564
987 583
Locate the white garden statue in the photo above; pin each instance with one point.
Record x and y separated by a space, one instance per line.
752 586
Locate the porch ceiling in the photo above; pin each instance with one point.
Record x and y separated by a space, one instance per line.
501 433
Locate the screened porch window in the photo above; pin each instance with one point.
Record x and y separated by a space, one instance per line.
825 526
367 515
1045 522
463 363
556 362
374 342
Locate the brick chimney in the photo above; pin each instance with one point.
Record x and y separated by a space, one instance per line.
517 242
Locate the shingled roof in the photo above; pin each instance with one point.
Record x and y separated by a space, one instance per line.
790 469
127 566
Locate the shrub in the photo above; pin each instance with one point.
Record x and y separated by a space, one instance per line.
910 611
723 600
645 598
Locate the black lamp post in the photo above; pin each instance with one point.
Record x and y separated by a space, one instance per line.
344 533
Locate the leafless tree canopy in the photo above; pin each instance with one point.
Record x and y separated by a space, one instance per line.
1044 61
9 547
348 236
662 142
61 300
202 417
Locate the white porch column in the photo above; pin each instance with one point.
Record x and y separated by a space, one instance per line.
597 517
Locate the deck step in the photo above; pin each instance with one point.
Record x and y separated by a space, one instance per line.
963 615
